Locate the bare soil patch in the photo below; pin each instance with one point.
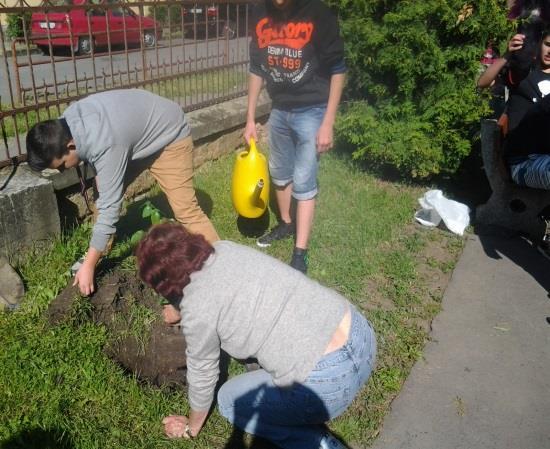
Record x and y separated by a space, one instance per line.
139 340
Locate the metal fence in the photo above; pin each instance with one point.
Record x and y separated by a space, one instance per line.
193 52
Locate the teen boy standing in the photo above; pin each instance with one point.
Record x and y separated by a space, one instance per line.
297 49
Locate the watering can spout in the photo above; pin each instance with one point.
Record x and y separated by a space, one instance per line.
255 199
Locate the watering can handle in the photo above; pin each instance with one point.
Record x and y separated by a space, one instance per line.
252 146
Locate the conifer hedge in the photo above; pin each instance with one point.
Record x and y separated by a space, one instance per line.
411 96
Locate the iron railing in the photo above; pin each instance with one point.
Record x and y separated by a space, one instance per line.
194 52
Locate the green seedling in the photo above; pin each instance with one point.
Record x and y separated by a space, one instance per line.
153 214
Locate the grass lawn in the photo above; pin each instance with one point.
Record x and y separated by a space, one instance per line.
60 390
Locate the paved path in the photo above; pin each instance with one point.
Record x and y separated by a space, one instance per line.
484 381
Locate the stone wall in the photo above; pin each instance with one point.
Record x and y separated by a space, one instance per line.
28 211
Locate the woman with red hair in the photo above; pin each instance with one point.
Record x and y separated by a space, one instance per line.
315 349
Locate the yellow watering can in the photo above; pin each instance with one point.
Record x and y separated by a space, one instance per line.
250 184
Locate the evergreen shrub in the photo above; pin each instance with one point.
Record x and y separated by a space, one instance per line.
413 65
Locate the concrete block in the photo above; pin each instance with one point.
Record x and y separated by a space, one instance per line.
11 286
72 205
67 178
28 211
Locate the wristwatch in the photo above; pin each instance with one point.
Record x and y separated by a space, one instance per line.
187 431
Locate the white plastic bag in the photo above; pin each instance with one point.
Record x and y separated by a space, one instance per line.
435 207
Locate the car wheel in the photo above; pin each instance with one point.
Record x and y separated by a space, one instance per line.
229 30
85 45
149 38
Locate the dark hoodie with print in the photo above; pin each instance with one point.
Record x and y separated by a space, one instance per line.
296 51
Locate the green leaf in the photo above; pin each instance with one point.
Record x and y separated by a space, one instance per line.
137 236
148 209
156 217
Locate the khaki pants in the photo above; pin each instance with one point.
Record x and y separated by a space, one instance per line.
173 170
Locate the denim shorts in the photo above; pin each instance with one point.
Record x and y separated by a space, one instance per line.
293 156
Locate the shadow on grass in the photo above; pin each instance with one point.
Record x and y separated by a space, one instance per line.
467 185
38 439
132 221
256 227
253 227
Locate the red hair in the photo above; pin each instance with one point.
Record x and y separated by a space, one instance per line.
167 256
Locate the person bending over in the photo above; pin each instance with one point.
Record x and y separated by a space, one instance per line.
115 132
315 349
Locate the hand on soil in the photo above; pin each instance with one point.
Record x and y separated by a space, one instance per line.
84 278
171 315
174 426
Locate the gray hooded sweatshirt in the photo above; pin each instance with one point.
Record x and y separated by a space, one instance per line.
113 129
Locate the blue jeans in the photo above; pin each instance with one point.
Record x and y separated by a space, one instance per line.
293 417
293 156
533 172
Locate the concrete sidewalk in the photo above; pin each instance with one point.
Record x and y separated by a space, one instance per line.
484 381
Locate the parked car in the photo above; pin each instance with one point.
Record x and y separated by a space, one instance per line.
219 20
122 20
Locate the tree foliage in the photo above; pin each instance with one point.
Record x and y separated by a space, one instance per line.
167 15
15 24
412 72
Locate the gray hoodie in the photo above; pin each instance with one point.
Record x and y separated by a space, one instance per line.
111 130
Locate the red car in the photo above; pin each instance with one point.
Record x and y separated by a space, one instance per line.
120 19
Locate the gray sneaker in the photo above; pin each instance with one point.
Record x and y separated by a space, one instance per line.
281 231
